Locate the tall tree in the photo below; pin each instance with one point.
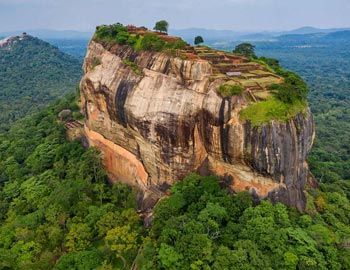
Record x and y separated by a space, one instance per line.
198 40
245 49
79 237
161 26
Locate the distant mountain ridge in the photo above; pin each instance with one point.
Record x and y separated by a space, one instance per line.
186 33
317 37
313 30
212 34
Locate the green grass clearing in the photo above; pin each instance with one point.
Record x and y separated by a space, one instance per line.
262 94
229 90
271 109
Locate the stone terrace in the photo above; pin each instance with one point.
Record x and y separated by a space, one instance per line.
231 68
238 70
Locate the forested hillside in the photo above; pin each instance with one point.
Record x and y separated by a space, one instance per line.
58 212
33 73
202 226
56 208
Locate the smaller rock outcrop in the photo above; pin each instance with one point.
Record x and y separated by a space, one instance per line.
8 42
65 115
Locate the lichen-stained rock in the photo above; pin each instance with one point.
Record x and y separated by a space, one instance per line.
158 125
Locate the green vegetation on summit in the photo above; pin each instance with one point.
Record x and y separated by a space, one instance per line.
119 34
33 73
230 90
271 109
288 98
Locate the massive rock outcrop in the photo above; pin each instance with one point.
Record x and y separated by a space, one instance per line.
162 117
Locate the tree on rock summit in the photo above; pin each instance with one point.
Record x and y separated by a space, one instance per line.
245 49
198 40
161 26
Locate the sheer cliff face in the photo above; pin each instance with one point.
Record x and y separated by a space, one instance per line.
161 119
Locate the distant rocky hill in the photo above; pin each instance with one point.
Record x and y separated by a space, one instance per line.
32 73
159 109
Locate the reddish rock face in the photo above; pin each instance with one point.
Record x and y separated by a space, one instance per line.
156 126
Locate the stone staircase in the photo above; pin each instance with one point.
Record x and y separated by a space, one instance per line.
74 129
73 124
238 69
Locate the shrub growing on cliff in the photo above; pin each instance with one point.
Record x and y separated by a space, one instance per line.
118 33
133 66
95 62
177 44
228 90
287 93
109 31
114 33
271 62
293 89
152 42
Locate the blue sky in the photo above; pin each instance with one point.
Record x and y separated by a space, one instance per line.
241 15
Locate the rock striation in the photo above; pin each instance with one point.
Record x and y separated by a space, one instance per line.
167 120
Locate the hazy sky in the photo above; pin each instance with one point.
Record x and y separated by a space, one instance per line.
219 14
